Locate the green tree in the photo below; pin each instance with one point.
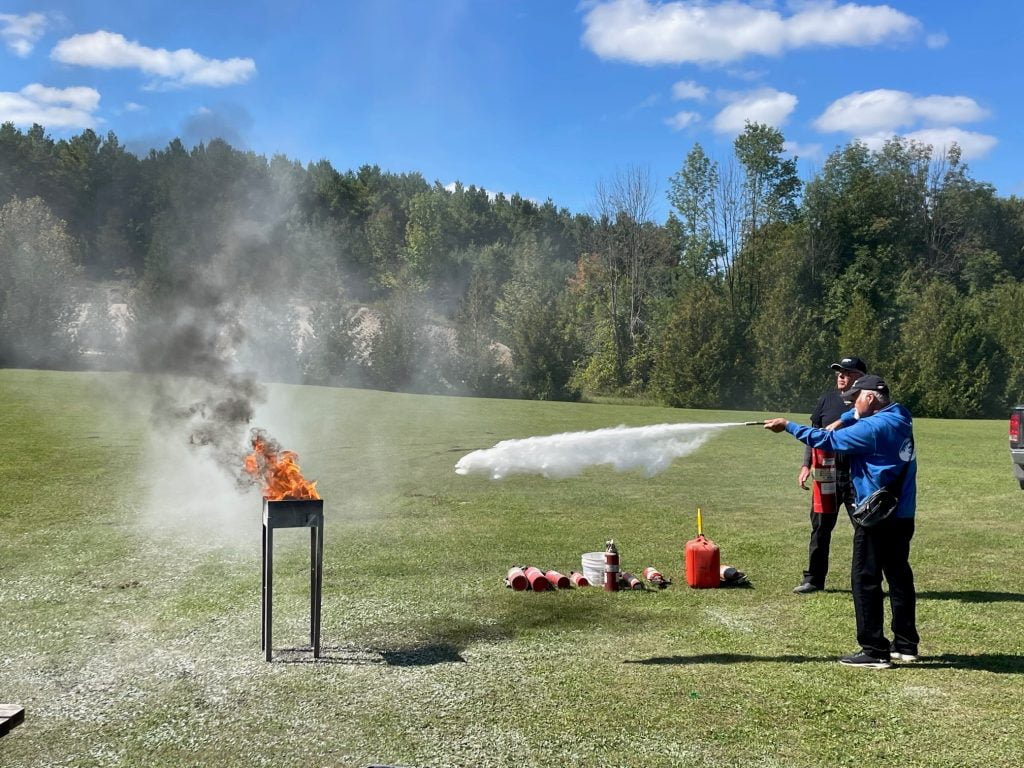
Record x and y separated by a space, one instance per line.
949 366
861 333
617 280
1005 322
692 194
479 366
38 279
694 363
533 317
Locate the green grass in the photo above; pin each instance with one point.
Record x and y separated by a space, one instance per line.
130 598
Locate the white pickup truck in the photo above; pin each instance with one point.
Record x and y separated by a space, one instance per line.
1017 443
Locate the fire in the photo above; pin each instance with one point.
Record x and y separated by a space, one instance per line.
277 470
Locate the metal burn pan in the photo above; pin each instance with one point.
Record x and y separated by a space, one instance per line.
293 513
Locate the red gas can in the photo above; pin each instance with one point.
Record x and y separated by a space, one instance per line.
703 560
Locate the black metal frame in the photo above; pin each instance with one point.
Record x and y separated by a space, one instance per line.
293 513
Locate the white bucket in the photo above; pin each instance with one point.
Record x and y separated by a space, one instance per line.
593 568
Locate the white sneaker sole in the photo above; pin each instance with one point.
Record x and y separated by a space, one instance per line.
872 665
906 658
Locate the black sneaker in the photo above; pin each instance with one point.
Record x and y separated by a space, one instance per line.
806 588
867 662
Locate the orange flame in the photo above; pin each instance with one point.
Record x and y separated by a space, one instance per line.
277 470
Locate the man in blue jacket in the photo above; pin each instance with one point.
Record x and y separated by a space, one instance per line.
878 436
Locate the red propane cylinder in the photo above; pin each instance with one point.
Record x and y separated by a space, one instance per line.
823 476
703 560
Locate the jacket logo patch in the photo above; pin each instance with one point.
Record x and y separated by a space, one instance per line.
908 451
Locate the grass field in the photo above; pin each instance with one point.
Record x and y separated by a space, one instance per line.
129 595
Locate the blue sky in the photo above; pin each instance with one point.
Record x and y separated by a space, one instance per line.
539 97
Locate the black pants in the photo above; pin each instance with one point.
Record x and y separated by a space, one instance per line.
821 532
821 541
884 551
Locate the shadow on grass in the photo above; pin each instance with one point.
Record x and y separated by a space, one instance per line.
423 655
729 658
329 654
1002 663
974 596
442 641
963 596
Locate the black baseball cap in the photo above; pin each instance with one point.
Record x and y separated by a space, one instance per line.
869 383
850 364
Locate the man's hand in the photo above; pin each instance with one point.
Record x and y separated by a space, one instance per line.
834 425
805 472
776 425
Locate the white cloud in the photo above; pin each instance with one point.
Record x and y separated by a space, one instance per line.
876 116
681 120
86 99
765 105
946 110
687 89
866 111
183 67
884 110
52 107
807 151
683 31
973 145
936 40
131 106
20 33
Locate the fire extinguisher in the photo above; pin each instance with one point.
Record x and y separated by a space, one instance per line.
538 581
611 567
579 579
557 579
823 475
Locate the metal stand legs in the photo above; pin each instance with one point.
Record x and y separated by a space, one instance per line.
293 514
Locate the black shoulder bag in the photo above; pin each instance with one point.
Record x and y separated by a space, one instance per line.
880 505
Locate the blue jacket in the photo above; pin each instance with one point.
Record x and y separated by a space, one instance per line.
879 446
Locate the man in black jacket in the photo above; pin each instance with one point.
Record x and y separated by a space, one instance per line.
829 408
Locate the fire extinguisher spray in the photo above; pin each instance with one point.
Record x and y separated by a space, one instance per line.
823 474
611 567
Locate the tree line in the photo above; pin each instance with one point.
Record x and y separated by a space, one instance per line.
740 299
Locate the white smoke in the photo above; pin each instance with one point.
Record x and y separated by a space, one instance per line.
652 449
